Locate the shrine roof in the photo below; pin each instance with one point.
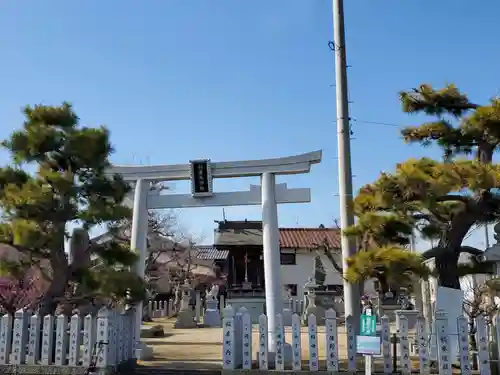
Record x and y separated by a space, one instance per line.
239 224
290 238
309 238
238 233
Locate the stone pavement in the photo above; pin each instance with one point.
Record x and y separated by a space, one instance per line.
203 346
201 349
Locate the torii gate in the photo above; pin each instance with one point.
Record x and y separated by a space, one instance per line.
201 173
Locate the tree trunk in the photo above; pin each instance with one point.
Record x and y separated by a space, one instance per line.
329 255
53 296
447 269
446 261
59 283
383 285
485 153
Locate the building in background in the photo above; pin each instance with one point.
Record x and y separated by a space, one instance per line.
235 261
241 243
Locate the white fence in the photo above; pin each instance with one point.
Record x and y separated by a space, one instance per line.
237 344
161 309
105 340
166 309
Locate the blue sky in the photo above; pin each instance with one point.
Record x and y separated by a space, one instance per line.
233 80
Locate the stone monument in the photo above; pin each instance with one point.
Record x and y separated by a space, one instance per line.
185 316
287 308
177 299
212 313
318 299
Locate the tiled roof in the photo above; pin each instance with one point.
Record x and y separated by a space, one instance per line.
210 253
309 238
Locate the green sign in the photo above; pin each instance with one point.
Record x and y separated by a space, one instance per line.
368 345
368 325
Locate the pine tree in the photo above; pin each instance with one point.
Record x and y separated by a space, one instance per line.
57 178
443 199
382 240
378 234
394 267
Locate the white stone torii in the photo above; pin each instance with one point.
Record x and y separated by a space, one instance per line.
268 195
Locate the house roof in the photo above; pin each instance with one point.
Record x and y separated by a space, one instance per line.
10 253
211 253
309 238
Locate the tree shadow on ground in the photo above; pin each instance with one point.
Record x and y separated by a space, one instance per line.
185 343
201 364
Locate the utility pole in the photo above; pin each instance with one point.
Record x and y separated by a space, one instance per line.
419 287
486 236
351 291
487 242
413 246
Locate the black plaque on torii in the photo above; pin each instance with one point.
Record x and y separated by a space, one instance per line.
201 178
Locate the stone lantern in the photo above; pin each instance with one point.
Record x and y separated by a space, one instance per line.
492 253
185 316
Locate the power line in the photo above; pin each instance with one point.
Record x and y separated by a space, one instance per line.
360 121
471 232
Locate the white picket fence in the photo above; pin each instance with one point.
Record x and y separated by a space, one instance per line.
161 309
27 339
166 309
237 344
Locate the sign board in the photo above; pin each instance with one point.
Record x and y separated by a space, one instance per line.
451 301
368 345
201 178
368 325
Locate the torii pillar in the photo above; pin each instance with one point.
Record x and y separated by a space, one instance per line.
271 249
201 173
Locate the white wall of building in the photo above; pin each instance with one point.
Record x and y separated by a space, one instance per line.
304 268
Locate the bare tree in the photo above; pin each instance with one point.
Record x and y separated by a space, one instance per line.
324 248
181 266
478 301
161 238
